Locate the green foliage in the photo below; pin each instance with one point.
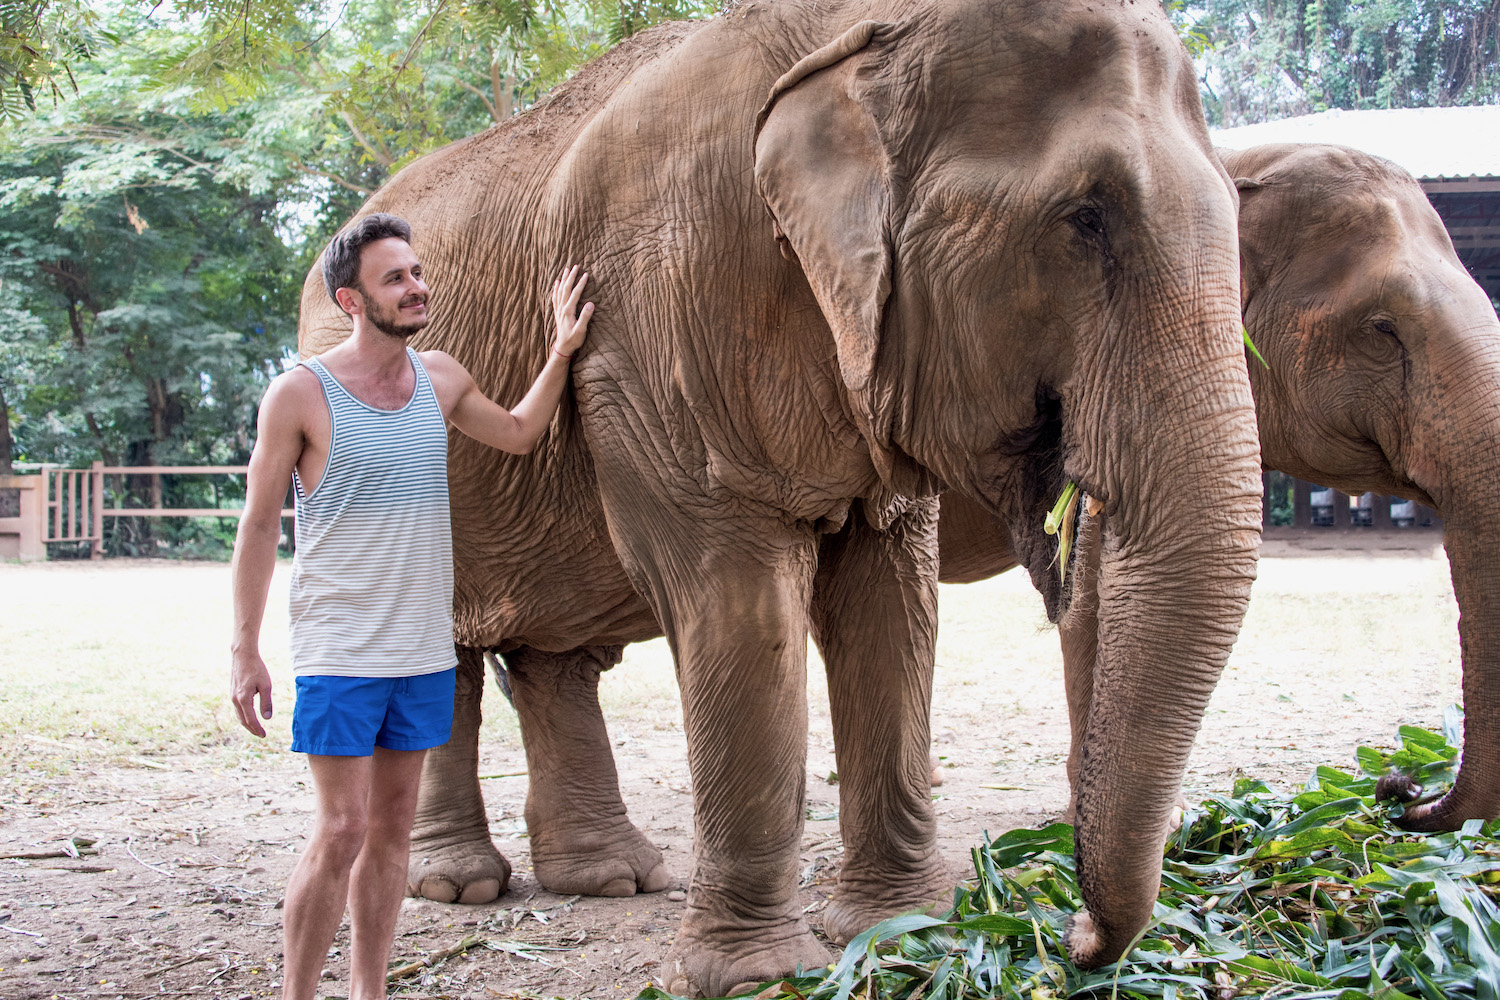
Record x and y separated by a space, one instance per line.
39 42
1309 895
1271 59
158 214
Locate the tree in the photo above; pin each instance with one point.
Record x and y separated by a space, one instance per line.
1276 58
156 220
39 40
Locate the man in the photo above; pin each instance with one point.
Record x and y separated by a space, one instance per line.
361 431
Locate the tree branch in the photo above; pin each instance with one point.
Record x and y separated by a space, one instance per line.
489 105
298 164
380 156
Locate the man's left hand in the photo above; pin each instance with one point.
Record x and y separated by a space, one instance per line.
572 322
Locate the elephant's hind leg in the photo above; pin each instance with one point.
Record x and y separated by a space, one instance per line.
453 859
875 619
581 839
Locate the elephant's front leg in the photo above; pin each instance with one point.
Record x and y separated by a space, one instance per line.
452 856
581 839
732 597
875 619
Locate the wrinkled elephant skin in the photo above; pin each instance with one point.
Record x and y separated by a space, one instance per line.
843 255
1384 376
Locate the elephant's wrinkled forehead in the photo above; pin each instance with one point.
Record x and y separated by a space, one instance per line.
1007 69
1342 198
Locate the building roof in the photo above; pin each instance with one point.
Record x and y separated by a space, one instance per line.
1431 143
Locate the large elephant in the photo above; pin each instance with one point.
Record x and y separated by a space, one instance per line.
999 254
1384 375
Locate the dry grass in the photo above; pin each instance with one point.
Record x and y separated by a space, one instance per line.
132 658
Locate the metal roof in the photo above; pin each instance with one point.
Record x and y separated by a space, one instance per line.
1431 143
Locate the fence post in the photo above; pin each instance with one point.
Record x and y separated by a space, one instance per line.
1341 519
30 528
1301 503
96 520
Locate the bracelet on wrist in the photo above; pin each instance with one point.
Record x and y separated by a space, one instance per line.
565 357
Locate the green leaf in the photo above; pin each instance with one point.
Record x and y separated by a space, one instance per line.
1244 333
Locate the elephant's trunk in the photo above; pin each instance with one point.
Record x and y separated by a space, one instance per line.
1474 557
1177 562
1451 454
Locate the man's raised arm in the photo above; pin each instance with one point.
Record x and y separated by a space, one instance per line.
519 429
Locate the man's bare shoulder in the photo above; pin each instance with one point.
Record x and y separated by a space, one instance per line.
450 380
440 364
292 395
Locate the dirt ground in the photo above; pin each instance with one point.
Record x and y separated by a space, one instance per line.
184 844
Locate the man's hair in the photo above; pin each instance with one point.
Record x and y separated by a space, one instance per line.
341 256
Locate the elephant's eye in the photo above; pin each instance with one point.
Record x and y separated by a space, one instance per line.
1385 326
1089 220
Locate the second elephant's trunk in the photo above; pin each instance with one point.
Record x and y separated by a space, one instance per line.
1474 557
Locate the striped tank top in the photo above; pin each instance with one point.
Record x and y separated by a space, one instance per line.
372 579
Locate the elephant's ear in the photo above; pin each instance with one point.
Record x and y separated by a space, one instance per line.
1253 265
825 173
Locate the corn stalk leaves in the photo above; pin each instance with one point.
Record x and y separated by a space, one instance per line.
1314 894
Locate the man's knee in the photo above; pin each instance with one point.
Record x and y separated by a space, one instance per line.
340 836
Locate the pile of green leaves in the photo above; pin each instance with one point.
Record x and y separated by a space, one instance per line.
1315 894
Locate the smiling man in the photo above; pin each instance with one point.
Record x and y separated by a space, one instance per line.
361 433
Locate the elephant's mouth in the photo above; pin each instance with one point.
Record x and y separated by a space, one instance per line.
1035 460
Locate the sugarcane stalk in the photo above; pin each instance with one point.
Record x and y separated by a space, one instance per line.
1253 350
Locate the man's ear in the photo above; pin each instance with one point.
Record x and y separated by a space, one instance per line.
349 300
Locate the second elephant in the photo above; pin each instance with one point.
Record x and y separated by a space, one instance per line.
1384 376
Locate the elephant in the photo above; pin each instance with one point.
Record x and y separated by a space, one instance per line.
847 255
1382 374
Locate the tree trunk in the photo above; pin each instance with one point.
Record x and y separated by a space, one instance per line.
10 500
6 444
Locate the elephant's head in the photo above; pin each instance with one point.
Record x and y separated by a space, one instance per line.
1384 375
1014 225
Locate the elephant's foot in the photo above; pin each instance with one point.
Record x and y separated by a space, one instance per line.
470 871
858 906
616 862
715 957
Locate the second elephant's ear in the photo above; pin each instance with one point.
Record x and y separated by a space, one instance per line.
825 173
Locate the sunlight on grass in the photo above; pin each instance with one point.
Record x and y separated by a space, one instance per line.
134 656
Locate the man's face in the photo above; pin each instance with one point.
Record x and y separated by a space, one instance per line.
391 292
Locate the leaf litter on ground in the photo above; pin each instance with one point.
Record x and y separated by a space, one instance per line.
1296 896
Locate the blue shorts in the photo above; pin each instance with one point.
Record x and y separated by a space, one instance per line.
351 716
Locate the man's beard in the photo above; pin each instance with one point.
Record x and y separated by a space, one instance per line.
390 322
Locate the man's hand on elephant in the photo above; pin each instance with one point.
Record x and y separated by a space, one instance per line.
572 322
248 680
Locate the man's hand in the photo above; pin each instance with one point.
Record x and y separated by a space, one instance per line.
572 322
249 679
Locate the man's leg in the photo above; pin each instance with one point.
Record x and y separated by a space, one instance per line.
378 882
319 886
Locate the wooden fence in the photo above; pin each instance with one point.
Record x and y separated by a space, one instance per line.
67 505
